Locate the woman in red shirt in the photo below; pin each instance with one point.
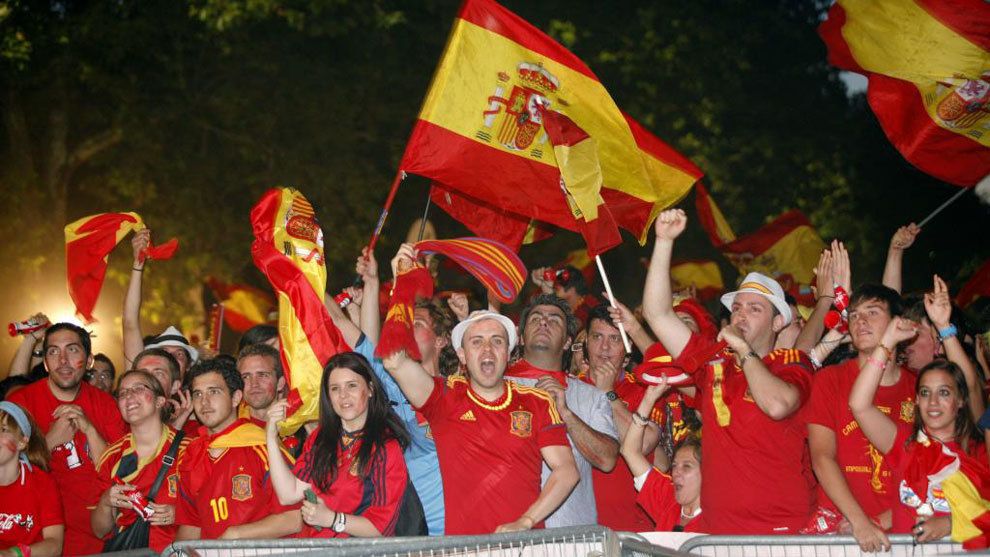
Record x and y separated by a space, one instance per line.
943 431
353 461
30 510
674 501
133 462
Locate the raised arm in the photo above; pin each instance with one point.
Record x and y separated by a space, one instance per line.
632 441
833 269
562 479
639 335
348 329
24 358
288 488
603 376
878 428
658 308
131 319
902 240
939 309
367 269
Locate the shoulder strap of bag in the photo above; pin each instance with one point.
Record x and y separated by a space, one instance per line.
167 461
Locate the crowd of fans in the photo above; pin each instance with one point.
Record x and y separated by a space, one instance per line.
501 426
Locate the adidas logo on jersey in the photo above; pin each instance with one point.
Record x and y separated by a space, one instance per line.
468 417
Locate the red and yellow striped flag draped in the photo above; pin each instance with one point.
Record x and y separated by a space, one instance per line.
288 249
492 263
480 130
928 64
243 306
88 243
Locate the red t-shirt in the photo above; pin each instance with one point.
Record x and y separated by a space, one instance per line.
227 490
756 469
27 506
615 495
375 495
77 486
120 464
657 497
871 479
489 452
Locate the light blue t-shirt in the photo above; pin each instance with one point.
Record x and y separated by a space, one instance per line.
421 454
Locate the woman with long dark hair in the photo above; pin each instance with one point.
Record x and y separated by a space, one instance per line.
352 462
944 432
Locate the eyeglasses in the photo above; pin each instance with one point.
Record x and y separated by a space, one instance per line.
136 390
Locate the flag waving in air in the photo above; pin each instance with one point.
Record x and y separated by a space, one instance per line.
928 65
481 130
88 243
288 250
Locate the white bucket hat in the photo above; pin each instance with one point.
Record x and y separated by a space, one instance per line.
172 337
765 286
457 335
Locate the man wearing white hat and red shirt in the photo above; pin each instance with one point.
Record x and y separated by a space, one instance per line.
492 436
757 478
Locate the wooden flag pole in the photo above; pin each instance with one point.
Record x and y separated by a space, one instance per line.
399 177
939 209
611 301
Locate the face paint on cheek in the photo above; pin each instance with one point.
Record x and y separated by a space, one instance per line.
10 445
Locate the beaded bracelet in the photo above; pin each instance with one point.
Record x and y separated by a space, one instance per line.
948 332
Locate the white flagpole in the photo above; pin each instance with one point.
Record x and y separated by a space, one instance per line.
611 301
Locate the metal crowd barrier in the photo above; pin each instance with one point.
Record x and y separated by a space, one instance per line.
902 545
583 541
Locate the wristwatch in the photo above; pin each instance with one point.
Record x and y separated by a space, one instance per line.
340 523
612 396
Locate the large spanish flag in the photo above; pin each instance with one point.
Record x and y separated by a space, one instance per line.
928 65
787 249
480 130
88 243
288 249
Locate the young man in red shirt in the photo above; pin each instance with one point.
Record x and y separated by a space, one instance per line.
78 421
856 482
224 489
754 459
615 495
492 436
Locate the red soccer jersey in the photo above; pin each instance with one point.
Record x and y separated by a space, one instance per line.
120 464
489 452
72 467
657 497
27 506
756 469
870 478
374 495
615 495
227 490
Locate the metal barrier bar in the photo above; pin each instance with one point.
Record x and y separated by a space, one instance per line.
635 545
590 541
810 546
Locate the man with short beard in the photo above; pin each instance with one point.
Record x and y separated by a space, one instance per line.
754 458
78 421
548 328
261 369
224 488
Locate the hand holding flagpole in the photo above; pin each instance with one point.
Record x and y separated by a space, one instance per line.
611 301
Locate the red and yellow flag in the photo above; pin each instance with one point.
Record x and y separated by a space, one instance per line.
703 275
243 306
489 221
88 243
288 249
492 263
711 217
928 65
978 286
787 249
480 130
